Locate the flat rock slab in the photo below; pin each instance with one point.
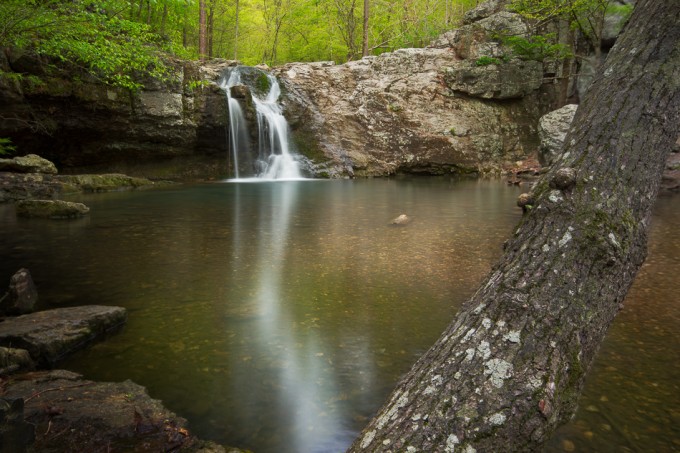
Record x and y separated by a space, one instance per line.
74 414
53 334
51 209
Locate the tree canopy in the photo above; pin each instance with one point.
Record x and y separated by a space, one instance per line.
114 39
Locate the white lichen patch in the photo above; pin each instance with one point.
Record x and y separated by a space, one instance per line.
457 375
386 442
614 241
500 323
546 248
484 349
411 449
469 334
555 196
368 438
391 414
486 322
469 449
437 380
416 417
479 309
499 370
534 382
512 336
497 419
469 354
565 239
451 443
553 344
429 390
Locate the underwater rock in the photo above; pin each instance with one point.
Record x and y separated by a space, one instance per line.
401 220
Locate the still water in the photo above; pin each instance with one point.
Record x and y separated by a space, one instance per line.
277 316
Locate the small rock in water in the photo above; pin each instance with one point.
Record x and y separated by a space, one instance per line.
22 293
403 219
568 445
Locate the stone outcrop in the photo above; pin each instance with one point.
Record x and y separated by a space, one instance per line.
31 163
552 129
433 110
51 209
50 335
74 414
171 129
34 186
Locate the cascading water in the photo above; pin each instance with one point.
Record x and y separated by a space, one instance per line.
274 157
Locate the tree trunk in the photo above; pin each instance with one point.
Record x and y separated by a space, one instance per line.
236 31
364 48
202 31
510 367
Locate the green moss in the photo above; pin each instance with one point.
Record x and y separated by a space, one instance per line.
262 84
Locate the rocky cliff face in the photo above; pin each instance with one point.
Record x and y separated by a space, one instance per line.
173 129
454 107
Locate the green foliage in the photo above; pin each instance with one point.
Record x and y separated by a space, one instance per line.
197 85
115 50
6 146
537 47
485 60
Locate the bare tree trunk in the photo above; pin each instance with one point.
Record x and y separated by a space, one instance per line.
510 367
364 48
236 31
202 31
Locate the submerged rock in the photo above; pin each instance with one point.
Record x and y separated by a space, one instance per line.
31 163
51 335
401 220
51 209
74 414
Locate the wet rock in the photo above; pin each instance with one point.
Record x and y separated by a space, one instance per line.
105 183
401 220
13 360
22 295
74 414
552 130
31 163
51 209
15 433
51 335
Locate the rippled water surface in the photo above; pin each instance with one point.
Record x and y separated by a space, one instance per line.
278 316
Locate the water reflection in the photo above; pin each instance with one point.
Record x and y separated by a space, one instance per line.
273 316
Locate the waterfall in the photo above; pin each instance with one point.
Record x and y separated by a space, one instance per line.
275 159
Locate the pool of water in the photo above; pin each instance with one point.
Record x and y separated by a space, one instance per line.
277 316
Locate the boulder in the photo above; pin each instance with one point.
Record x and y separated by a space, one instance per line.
505 80
13 360
105 183
22 295
552 130
483 10
51 209
32 163
74 414
51 335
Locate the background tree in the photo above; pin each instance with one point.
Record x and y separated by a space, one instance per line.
509 369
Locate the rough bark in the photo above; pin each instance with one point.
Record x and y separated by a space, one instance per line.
510 367
202 31
364 46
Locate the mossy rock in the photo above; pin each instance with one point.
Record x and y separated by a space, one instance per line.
105 183
51 209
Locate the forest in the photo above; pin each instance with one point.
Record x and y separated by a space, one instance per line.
114 37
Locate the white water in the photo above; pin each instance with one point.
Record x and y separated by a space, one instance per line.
238 133
275 161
